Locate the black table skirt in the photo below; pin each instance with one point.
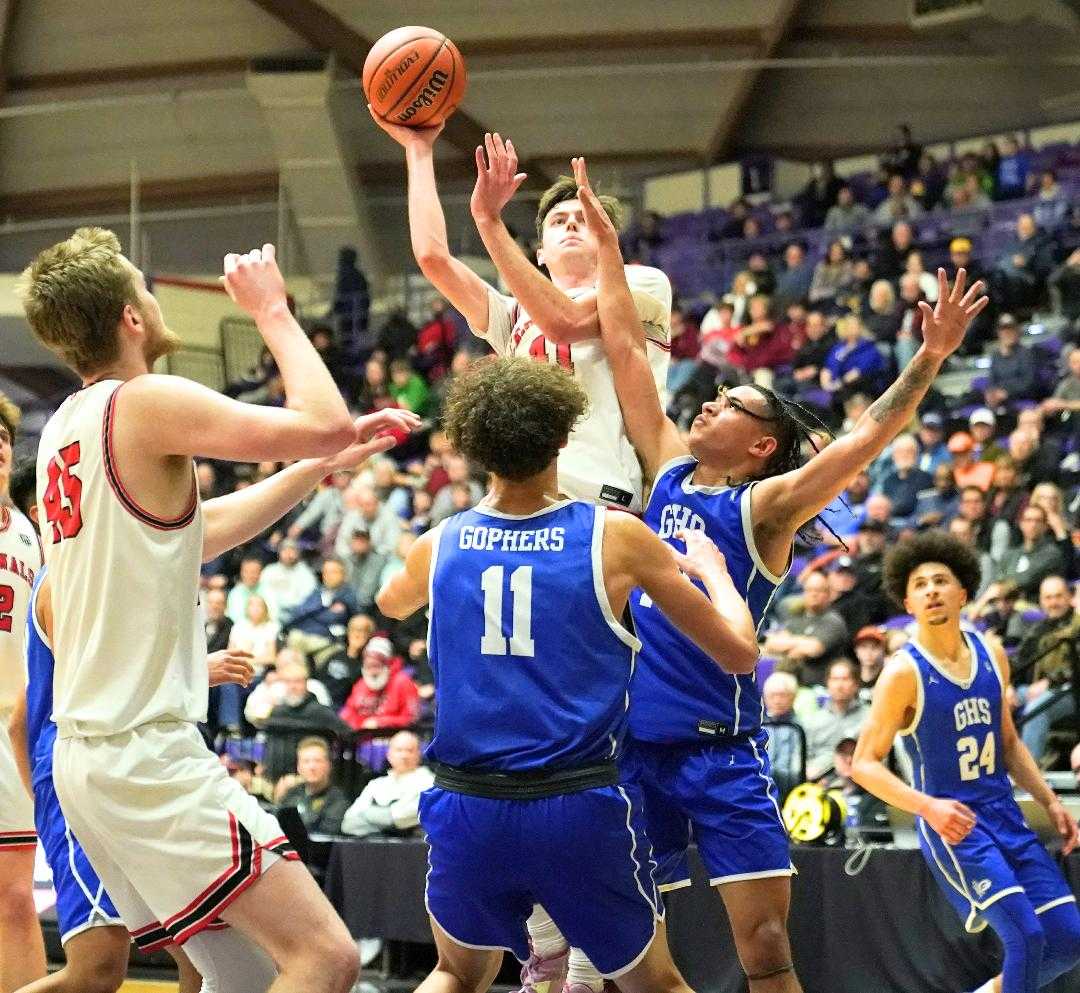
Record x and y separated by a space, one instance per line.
888 929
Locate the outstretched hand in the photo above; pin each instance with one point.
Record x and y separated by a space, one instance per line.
702 559
375 433
231 665
596 218
497 178
944 325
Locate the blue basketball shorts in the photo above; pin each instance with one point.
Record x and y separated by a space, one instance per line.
721 794
583 856
1001 855
81 900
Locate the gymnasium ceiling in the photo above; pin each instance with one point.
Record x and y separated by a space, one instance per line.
641 86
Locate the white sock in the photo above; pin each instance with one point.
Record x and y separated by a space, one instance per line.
986 987
547 939
582 971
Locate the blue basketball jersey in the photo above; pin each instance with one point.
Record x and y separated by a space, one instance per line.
531 667
954 741
41 731
679 693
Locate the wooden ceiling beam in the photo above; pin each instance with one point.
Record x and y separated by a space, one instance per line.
126 74
327 32
738 107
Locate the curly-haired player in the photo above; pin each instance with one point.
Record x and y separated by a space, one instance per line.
944 694
532 669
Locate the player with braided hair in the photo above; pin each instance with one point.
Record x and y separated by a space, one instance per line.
698 748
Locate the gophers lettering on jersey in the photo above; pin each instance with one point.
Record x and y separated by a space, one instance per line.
675 518
488 539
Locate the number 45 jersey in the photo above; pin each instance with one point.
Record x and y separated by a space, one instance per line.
127 636
954 740
531 666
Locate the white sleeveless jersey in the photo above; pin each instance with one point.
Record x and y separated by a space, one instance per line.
599 463
129 644
20 560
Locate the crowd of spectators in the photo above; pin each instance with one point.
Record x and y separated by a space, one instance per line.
998 466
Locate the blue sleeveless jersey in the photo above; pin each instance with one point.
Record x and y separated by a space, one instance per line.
679 694
531 667
41 731
954 741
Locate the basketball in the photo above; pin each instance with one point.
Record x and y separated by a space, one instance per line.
414 76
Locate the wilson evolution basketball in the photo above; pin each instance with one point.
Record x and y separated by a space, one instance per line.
414 76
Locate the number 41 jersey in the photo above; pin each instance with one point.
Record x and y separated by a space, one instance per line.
954 740
531 667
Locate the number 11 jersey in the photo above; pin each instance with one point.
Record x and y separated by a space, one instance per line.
954 741
531 667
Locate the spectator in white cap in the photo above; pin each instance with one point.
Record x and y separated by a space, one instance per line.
384 696
982 425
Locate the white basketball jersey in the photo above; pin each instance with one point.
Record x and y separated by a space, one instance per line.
598 464
20 560
128 639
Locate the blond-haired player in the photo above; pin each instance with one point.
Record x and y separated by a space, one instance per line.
553 320
175 841
22 951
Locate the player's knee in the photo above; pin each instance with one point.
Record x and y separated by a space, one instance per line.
99 975
764 946
340 958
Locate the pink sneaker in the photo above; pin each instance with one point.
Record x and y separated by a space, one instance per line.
544 975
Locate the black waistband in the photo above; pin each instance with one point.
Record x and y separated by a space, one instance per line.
524 785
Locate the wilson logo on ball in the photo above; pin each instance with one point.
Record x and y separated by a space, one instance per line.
393 74
426 96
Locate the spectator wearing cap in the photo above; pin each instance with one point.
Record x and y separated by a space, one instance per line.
846 213
933 451
1021 270
854 365
903 480
385 697
981 426
810 635
363 566
320 619
289 581
967 470
842 716
1013 368
870 558
1047 662
870 653
390 804
937 504
856 606
793 281
321 805
1035 557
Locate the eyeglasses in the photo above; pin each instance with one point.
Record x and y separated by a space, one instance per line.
736 404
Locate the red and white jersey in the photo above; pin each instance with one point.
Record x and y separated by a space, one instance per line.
599 463
129 643
20 560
